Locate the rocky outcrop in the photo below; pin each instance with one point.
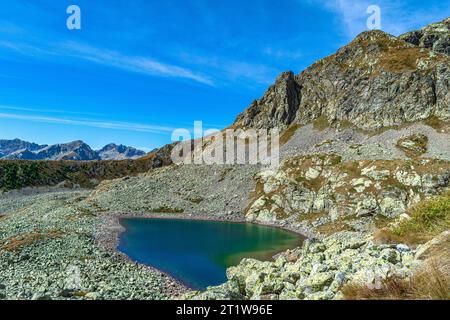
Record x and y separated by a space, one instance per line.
277 107
323 194
435 36
414 145
317 271
375 81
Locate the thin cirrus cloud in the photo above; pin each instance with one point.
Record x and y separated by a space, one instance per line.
397 17
224 70
232 70
135 64
131 63
43 110
128 126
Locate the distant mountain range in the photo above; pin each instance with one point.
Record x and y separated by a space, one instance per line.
77 150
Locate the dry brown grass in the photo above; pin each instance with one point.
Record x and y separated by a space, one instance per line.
333 227
289 133
401 60
167 209
429 282
435 123
195 200
17 242
224 173
432 285
438 124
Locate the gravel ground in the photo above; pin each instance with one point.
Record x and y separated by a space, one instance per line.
353 144
48 251
192 189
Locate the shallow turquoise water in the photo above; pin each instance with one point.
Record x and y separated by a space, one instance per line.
197 253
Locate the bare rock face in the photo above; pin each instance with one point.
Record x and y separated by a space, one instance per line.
278 105
435 36
376 81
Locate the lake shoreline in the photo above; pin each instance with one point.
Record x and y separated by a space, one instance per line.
108 237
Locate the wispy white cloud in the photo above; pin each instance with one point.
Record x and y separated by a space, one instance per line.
282 54
397 17
127 126
201 68
143 65
351 13
229 70
44 110
10 28
27 49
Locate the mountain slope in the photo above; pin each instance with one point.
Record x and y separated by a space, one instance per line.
76 151
435 36
113 151
19 174
375 81
10 146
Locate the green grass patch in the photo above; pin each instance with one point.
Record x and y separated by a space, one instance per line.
428 219
167 209
438 124
321 123
196 200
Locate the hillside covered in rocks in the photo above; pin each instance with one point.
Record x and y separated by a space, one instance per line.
364 173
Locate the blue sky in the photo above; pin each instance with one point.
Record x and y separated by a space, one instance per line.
140 68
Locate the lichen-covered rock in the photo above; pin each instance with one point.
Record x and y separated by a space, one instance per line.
320 270
415 145
321 193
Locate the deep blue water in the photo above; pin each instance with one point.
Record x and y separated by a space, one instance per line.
197 253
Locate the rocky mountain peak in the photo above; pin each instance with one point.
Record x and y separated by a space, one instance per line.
375 81
8 146
435 36
75 150
278 105
119 152
109 146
